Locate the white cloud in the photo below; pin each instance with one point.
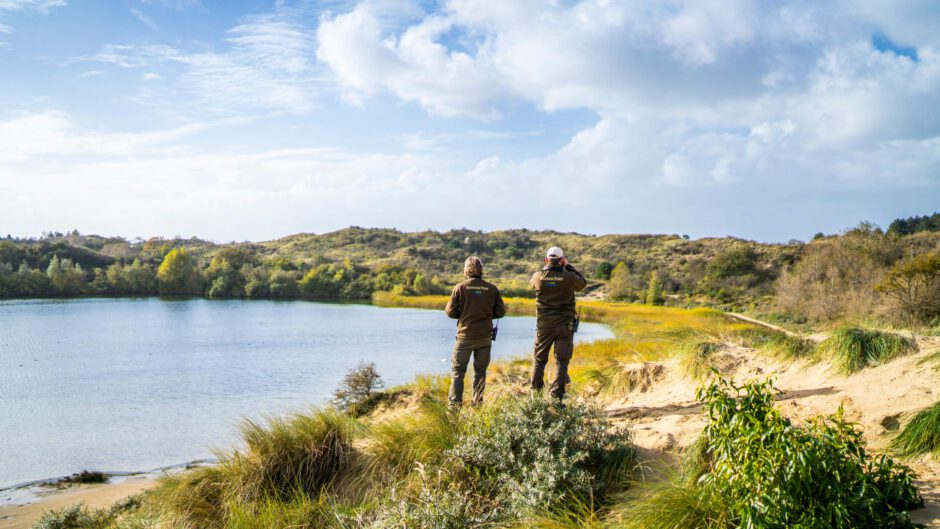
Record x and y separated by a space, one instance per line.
267 64
721 90
144 19
51 134
15 6
30 5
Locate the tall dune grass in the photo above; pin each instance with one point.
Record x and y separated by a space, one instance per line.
921 435
853 348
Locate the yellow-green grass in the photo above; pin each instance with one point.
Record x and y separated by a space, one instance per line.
921 434
852 348
642 333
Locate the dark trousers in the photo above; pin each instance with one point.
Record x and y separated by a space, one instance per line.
563 340
463 350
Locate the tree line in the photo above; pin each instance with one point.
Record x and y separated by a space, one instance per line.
231 273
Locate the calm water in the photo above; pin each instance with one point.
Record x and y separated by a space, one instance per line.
136 384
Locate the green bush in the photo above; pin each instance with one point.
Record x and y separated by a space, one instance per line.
86 476
921 435
74 517
531 453
854 348
771 473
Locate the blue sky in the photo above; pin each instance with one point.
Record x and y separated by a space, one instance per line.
250 120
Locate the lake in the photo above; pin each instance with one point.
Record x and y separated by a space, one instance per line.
137 384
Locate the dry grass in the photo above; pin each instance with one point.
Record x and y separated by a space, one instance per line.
642 333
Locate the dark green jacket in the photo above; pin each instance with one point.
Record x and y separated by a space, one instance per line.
554 295
475 303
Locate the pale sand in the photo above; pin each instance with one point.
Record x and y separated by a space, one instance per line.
667 417
104 495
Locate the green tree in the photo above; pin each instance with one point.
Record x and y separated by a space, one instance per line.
66 278
915 284
623 284
603 270
654 294
225 280
177 273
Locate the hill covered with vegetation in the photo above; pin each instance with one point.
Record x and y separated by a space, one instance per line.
862 272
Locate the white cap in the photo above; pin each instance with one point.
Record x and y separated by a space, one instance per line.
555 251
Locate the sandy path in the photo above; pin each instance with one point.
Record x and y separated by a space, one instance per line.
667 417
23 516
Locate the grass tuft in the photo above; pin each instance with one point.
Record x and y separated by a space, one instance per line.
854 348
921 435
393 445
301 452
697 355
785 347
614 378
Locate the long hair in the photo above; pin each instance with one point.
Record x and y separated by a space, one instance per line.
473 267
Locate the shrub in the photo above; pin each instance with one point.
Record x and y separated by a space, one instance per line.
603 270
921 435
86 477
855 348
74 517
530 453
733 262
358 388
773 474
437 502
915 284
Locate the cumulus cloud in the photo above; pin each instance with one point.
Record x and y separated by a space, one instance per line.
721 90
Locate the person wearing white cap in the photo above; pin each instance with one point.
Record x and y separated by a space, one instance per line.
555 285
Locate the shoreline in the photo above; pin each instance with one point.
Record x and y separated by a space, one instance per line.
47 483
102 495
21 505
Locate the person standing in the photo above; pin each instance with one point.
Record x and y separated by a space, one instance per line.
474 303
555 285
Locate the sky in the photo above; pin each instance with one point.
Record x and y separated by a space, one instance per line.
252 120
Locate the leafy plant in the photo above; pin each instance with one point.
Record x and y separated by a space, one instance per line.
771 473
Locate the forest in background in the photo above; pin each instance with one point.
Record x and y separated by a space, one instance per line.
890 275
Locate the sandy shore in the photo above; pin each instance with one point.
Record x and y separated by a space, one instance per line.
37 500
